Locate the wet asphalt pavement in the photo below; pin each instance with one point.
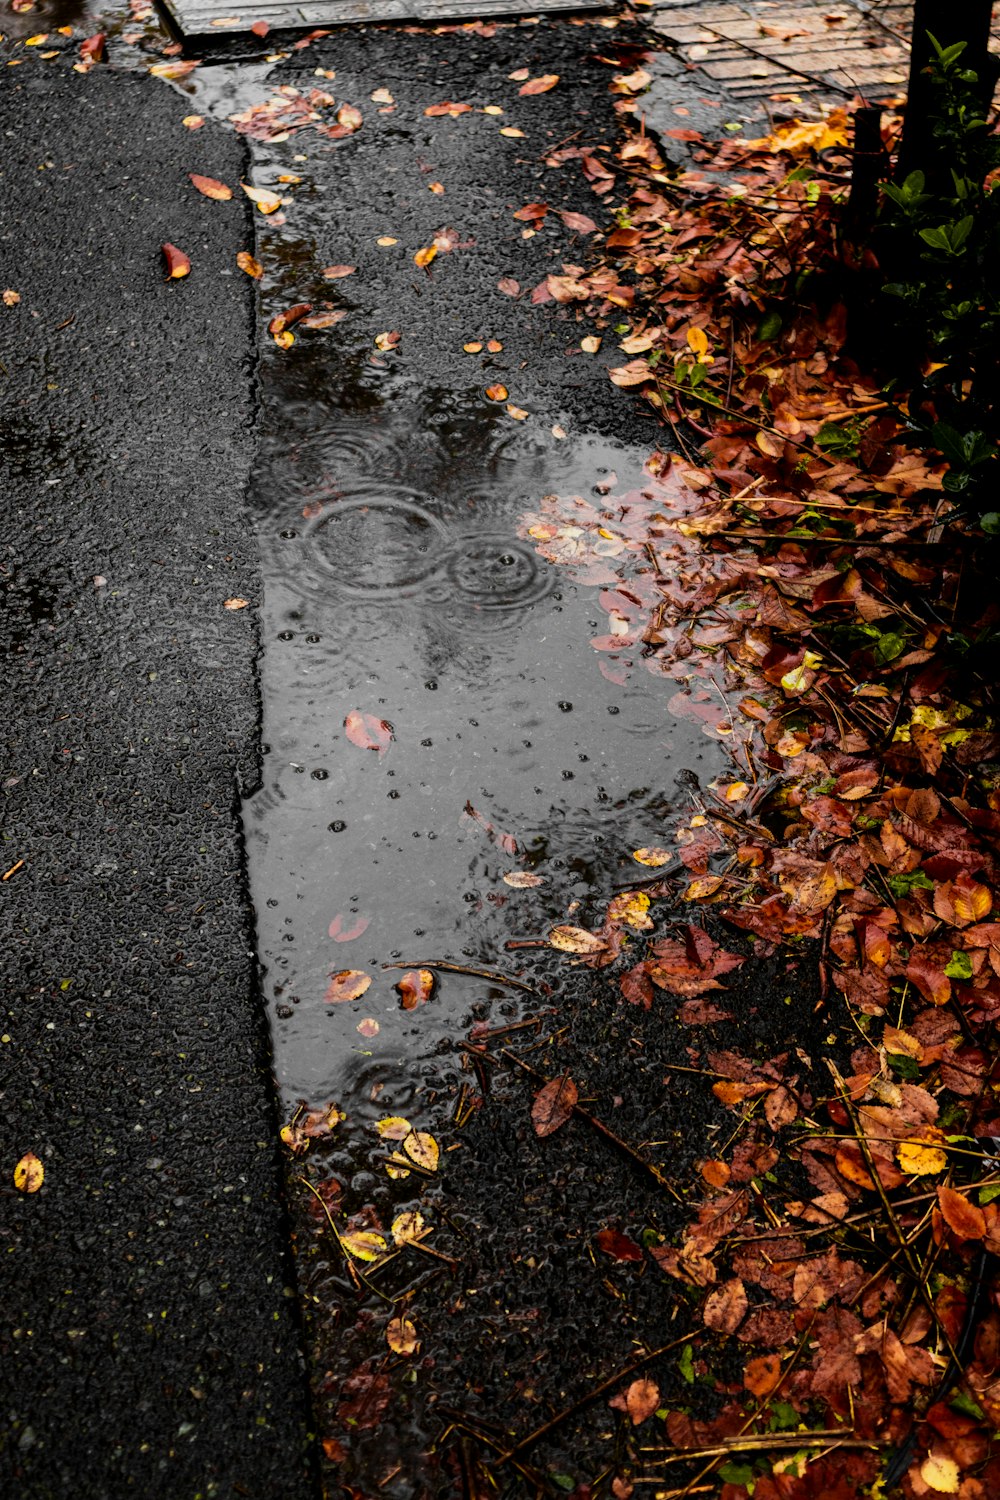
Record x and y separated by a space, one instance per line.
148 1337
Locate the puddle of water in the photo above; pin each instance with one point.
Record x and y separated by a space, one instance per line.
399 583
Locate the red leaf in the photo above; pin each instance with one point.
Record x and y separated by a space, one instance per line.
210 187
963 1218
932 982
509 286
92 48
367 732
553 1105
289 317
617 1245
539 85
580 222
342 934
178 264
636 987
260 28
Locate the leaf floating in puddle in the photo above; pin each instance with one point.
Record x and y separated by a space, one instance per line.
506 841
407 1226
266 202
653 856
631 909
29 1174
393 1128
522 879
324 319
250 264
385 341
334 273
342 933
496 392
363 1244
369 1027
367 732
348 984
423 1150
553 1105
576 940
350 117
282 321
415 988
401 1336
235 603
210 187
517 412
178 264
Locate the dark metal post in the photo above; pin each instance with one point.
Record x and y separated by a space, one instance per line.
949 21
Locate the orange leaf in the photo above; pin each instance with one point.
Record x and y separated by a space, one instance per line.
736 1093
367 732
347 984
553 1105
178 264
496 392
350 117
964 1219
761 1375
250 264
424 256
209 187
639 1402
932 982
415 988
539 85
447 108
334 273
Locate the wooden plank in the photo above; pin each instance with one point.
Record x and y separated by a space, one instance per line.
196 19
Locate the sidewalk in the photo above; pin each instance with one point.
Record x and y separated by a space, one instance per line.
148 1342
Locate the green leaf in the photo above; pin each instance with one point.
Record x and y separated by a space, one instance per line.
903 1066
902 885
564 1481
888 647
770 326
959 966
967 1406
686 1364
988 1193
734 1473
783 1416
990 522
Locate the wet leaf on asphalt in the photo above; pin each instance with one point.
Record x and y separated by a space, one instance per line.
177 263
407 1226
553 1105
570 939
364 1244
250 264
415 988
401 1336
539 85
335 273
193 122
522 880
349 117
369 1027
368 732
618 1245
210 187
422 1149
29 1174
236 603
433 111
347 984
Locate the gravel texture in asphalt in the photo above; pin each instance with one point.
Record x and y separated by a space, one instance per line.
148 1340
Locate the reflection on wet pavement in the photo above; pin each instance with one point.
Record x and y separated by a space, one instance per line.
397 585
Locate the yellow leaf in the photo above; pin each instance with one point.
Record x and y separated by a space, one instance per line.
407 1226
393 1128
522 879
576 940
492 109
940 1473
193 122
386 239
436 187
590 345
29 1174
473 347
736 791
422 1149
250 264
382 96
697 341
920 1155
267 202
364 1244
517 412
653 856
401 1336
424 256
631 909
511 130
702 887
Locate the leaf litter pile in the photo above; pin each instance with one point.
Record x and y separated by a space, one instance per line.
747 1107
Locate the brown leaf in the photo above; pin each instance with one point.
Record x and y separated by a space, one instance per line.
815 892
178 264
368 732
580 222
553 1105
539 85
618 1245
963 1218
447 108
726 1307
636 987
335 273
415 988
509 286
209 187
639 1402
401 1336
287 319
347 984
932 982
